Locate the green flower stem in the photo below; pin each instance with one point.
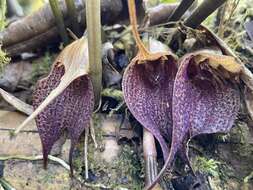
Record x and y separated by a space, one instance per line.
2 14
72 13
59 20
93 20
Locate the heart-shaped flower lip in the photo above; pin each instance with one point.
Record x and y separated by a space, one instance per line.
147 90
148 85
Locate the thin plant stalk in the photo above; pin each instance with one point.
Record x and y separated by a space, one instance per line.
86 138
14 8
72 13
222 20
54 4
93 20
92 134
2 14
202 12
180 10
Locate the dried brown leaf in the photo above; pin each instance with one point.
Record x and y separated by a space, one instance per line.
229 63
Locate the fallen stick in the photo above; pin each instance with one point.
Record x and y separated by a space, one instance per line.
181 9
160 13
205 9
16 103
22 131
34 30
164 13
50 36
32 36
5 185
35 158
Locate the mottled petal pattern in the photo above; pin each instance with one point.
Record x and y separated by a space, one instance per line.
147 89
200 105
201 108
70 111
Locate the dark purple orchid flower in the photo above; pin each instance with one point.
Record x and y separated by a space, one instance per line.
65 99
70 111
202 99
205 100
147 89
148 85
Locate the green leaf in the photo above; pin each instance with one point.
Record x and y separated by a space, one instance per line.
2 14
168 1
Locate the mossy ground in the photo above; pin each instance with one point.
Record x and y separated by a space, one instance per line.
4 60
230 161
125 171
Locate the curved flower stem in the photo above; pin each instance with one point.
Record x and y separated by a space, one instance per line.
133 20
